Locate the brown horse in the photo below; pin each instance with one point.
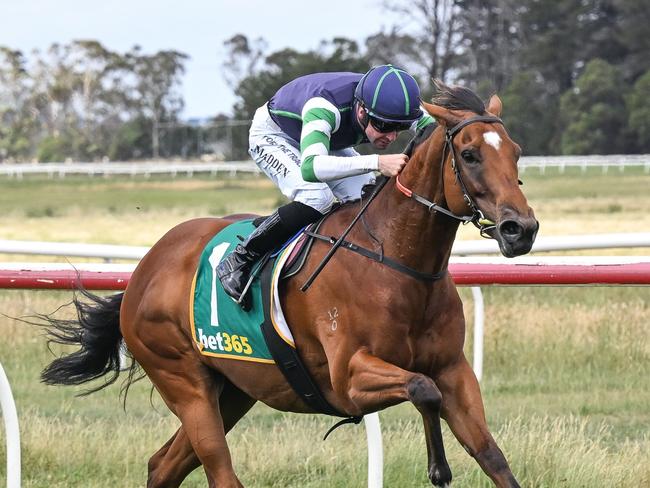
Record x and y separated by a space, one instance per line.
398 338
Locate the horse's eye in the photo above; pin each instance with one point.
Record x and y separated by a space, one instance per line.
469 157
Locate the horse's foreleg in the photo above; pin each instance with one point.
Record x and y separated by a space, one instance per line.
375 384
462 408
176 459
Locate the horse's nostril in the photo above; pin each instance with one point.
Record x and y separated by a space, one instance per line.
511 229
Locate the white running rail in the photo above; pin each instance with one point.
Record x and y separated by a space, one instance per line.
189 168
61 170
107 252
12 430
461 248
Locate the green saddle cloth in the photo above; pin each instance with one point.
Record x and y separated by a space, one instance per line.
219 325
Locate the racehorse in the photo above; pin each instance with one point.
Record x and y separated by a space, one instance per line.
399 336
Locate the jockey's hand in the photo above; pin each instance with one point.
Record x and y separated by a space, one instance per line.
392 164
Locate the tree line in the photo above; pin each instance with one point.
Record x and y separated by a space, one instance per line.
574 76
85 102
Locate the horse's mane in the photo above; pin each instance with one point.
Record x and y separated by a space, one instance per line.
455 97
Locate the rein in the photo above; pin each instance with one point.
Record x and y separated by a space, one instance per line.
380 258
477 218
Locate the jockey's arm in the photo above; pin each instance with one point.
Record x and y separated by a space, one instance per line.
423 121
320 119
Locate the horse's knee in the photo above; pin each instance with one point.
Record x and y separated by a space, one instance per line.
426 397
423 392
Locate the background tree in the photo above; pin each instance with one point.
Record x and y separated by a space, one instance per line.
242 58
638 106
561 37
100 100
434 26
282 66
18 127
594 112
155 90
83 101
265 76
525 114
489 33
632 26
58 100
392 47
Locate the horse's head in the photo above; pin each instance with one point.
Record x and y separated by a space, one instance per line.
480 169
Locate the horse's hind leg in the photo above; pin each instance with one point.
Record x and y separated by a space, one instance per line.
192 394
190 389
173 462
462 408
176 459
375 384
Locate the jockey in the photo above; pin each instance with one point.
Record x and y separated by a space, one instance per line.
303 140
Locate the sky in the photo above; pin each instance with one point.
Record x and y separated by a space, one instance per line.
196 28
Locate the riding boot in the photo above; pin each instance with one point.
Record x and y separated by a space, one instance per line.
234 271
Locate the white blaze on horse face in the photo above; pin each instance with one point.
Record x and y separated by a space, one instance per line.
493 139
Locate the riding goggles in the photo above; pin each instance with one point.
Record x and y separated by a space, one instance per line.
389 126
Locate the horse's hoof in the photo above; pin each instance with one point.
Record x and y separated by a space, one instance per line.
440 476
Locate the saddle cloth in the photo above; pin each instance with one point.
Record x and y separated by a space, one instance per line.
219 326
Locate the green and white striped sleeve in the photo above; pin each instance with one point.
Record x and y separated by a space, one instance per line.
320 119
423 121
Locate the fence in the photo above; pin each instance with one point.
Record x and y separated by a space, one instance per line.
604 162
466 271
61 170
146 169
461 248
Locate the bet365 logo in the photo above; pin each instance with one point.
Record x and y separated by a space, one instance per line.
224 342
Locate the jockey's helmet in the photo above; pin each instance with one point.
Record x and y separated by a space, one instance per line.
389 95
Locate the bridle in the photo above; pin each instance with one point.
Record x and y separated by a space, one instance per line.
477 218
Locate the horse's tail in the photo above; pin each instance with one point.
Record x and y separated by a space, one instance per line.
97 330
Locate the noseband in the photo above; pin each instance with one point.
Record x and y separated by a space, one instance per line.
477 218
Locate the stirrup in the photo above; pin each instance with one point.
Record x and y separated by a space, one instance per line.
244 299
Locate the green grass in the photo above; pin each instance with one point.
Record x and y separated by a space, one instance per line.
589 184
566 384
42 197
126 194
566 394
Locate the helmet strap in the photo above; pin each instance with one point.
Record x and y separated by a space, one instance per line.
365 118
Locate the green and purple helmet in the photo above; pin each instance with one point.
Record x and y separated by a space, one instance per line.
390 96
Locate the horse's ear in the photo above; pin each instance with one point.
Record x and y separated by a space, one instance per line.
441 114
495 106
